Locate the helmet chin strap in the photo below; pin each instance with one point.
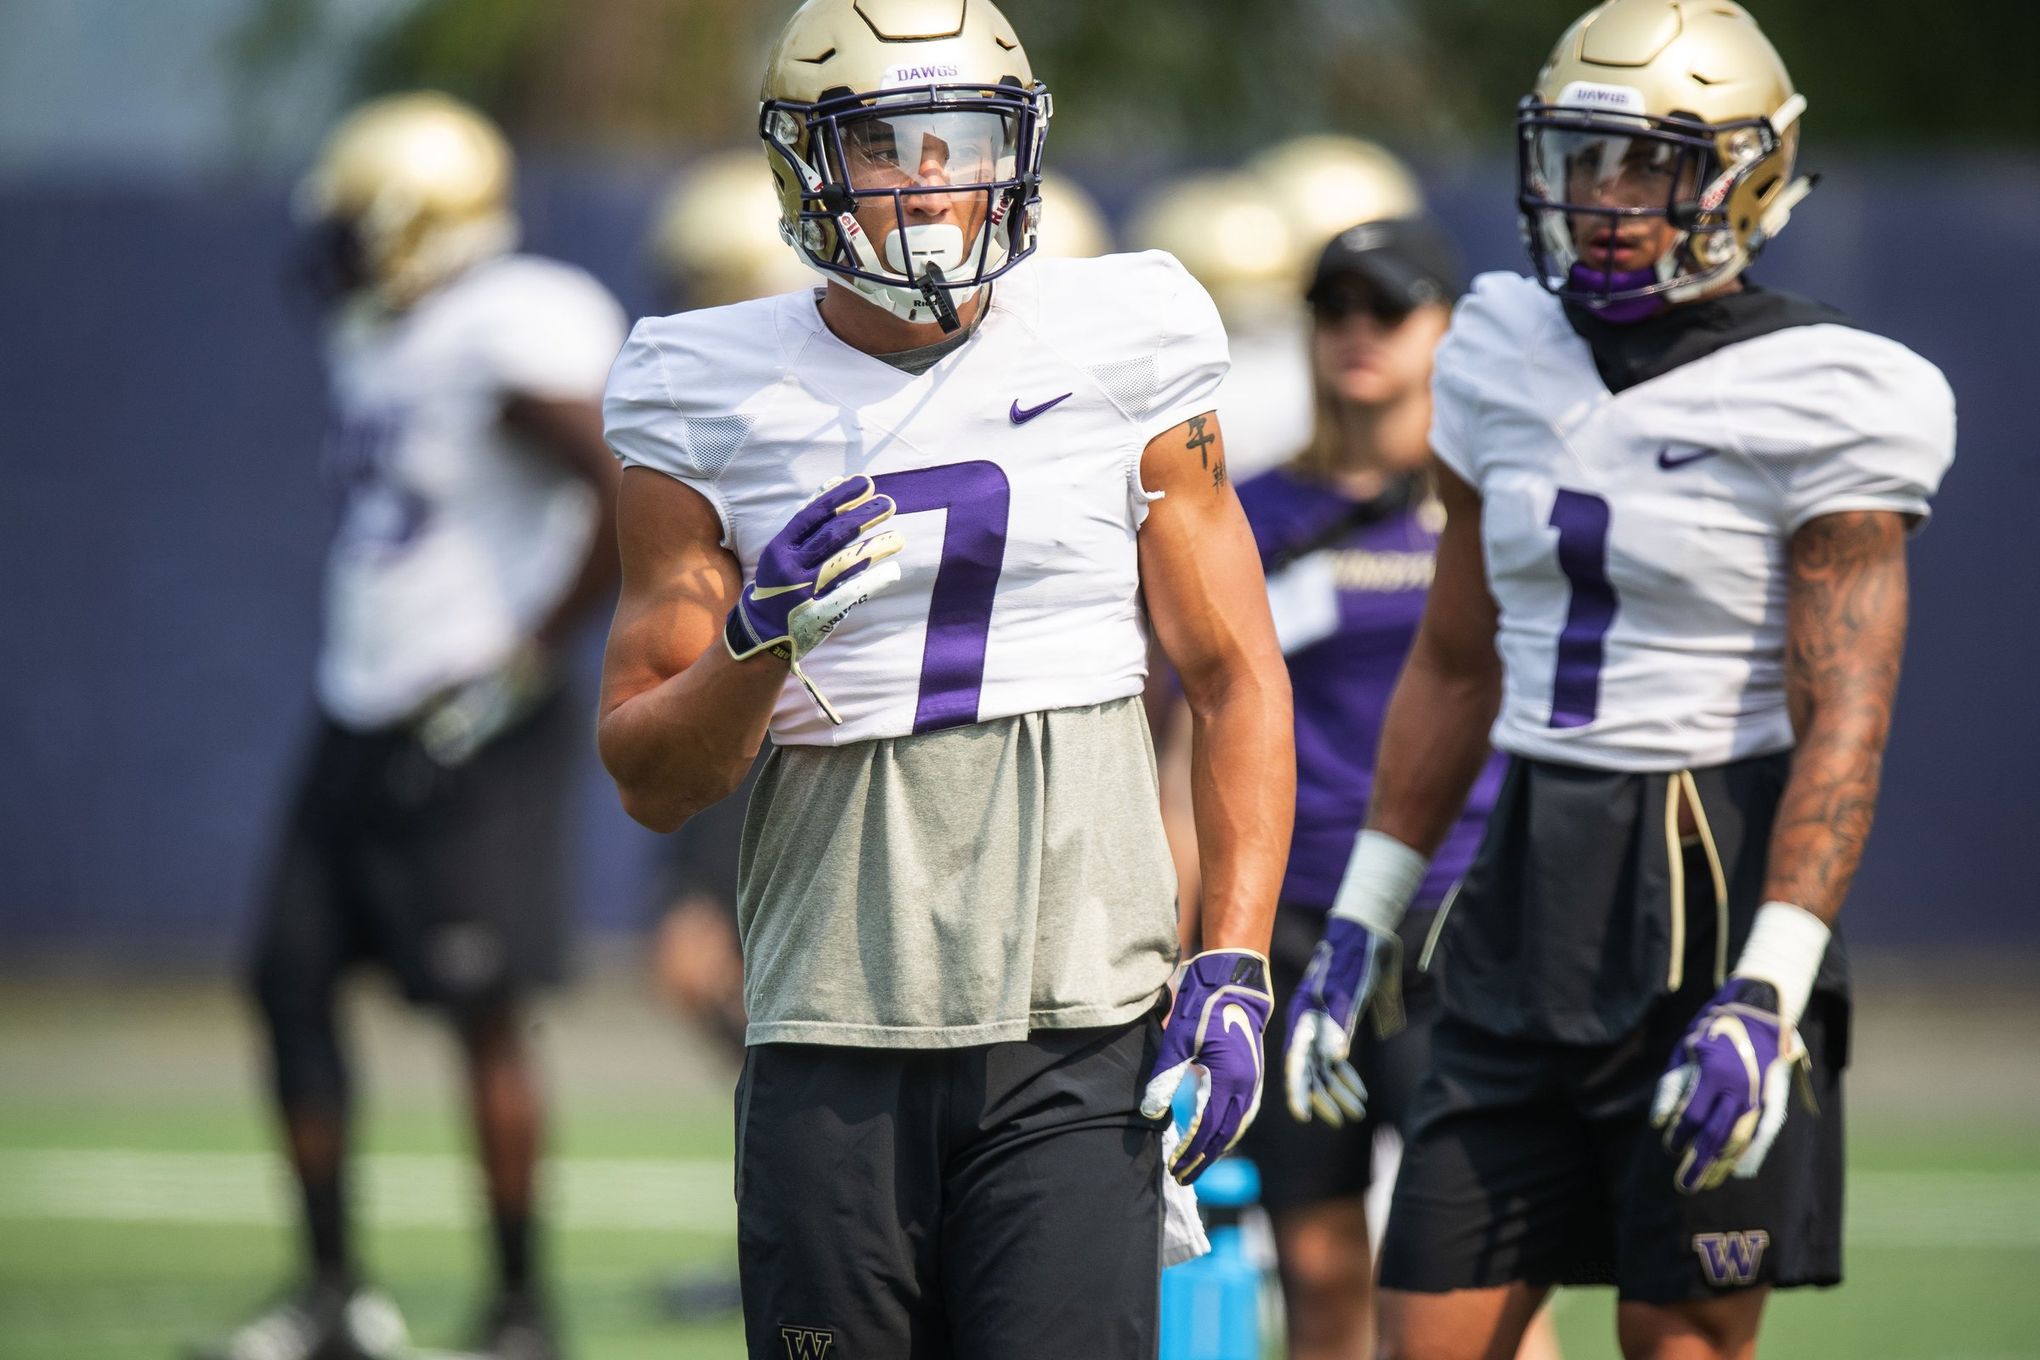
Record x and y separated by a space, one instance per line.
938 299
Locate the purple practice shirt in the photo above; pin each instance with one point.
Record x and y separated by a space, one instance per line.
1347 614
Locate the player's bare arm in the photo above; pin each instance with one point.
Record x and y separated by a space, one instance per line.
1435 737
570 433
1845 614
1202 578
1433 743
1844 633
681 720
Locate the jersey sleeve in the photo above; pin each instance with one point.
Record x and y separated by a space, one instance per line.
1453 406
1477 345
1890 418
1191 355
647 428
552 335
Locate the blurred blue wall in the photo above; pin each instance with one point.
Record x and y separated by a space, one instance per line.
161 530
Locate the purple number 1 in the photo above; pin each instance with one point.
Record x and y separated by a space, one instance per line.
966 582
1581 519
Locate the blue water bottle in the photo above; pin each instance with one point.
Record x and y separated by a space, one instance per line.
1211 1307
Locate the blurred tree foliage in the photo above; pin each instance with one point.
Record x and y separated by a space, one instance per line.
1189 79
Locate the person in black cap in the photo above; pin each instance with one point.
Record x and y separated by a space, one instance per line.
1346 530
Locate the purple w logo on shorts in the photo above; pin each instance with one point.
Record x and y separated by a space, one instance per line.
1731 1258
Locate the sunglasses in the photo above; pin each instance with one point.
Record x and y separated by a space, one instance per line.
1343 300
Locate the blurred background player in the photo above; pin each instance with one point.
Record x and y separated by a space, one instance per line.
1346 530
429 830
1673 578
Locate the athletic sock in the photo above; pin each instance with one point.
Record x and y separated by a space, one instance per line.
326 1231
513 1233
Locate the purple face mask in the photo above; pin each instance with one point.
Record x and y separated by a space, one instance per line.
1621 311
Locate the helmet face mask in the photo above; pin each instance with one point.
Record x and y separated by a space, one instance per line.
1655 154
1624 207
328 260
917 191
905 140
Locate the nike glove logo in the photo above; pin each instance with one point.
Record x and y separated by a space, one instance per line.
1020 417
1666 461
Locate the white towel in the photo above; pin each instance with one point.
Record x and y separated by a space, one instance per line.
1183 1236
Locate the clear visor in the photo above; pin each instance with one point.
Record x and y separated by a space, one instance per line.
1602 169
965 148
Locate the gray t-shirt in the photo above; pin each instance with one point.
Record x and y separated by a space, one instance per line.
958 887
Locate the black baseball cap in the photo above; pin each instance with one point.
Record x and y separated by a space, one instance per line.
1407 261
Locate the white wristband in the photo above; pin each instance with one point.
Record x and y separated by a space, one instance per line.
1381 878
1785 949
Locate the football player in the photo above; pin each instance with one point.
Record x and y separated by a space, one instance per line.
716 241
908 524
428 831
1346 531
1673 580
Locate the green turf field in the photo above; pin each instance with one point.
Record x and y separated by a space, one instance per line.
140 1208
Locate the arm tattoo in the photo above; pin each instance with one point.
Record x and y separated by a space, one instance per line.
1201 440
1844 632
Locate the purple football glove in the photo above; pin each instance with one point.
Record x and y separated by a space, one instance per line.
1354 970
1724 1098
1222 1006
816 569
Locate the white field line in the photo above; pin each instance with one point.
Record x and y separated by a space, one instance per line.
634 1194
1886 1209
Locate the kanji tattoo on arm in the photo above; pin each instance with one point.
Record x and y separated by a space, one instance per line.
1844 634
1201 439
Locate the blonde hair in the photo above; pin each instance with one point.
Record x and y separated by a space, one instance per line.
1318 459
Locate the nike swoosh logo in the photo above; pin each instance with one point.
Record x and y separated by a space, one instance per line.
1235 1017
1020 417
1668 463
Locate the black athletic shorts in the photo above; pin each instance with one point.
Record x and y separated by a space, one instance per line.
453 879
1306 1164
999 1202
1529 1155
1535 1161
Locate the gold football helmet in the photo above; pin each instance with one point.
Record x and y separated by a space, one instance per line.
409 190
716 237
1324 183
1231 238
1656 152
905 138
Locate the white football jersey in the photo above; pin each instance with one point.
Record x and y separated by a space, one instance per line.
456 538
1015 462
1636 540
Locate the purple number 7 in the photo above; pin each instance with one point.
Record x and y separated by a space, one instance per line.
960 606
1581 519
